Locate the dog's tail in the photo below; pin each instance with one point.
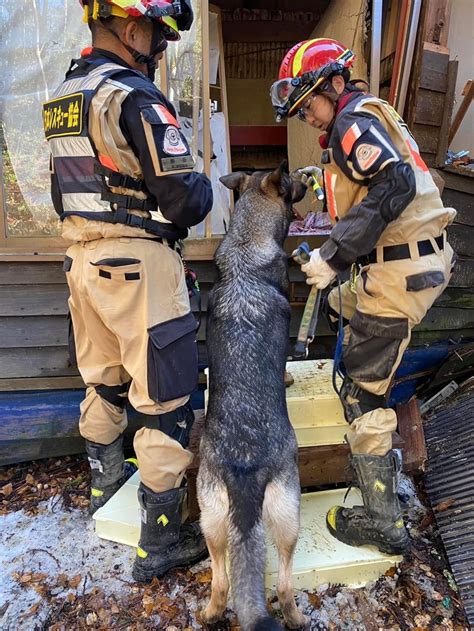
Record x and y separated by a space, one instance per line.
247 553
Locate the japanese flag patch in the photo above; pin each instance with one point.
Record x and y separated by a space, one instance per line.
173 144
367 155
164 115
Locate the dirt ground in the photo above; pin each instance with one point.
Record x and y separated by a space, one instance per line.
57 575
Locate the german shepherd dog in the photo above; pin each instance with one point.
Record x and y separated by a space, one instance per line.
248 474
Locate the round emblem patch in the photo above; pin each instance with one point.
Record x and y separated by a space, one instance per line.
367 155
173 144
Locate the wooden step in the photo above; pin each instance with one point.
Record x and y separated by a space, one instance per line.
319 558
314 407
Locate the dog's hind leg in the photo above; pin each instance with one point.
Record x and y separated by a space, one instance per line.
281 513
214 504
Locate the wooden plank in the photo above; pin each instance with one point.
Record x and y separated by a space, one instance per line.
429 158
249 135
49 361
434 71
410 427
266 31
429 107
25 300
457 181
463 203
41 273
424 338
33 331
459 297
461 238
447 319
46 383
463 273
427 137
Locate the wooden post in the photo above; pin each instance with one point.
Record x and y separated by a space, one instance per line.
436 25
375 47
444 141
206 127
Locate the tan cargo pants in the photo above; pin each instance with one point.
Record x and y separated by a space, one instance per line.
118 289
390 298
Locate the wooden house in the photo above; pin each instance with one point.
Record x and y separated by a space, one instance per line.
218 77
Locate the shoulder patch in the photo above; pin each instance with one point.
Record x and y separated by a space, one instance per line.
366 155
173 144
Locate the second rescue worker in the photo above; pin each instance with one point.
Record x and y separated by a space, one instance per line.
389 219
123 185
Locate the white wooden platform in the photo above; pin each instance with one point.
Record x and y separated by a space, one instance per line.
319 557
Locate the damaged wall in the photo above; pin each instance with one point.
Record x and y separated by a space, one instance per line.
343 20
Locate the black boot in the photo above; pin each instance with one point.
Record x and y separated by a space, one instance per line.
164 542
379 522
107 471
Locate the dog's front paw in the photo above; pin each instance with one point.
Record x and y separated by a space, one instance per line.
297 621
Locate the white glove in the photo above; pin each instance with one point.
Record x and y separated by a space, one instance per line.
312 176
319 273
310 171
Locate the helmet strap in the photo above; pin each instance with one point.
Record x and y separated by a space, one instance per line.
158 45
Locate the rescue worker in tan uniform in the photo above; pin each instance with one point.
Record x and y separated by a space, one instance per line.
123 184
388 220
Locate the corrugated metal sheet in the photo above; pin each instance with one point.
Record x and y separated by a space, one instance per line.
450 476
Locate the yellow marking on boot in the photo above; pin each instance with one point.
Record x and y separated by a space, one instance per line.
96 493
141 553
331 516
399 523
379 486
163 520
133 461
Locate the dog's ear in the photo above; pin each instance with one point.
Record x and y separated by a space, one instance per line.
234 181
275 178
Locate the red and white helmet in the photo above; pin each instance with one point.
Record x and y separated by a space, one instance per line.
303 69
172 15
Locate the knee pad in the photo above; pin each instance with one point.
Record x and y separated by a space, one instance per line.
356 401
116 395
176 424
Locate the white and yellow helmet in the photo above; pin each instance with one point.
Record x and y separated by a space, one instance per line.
172 15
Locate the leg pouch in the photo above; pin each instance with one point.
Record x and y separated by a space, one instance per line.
172 361
373 346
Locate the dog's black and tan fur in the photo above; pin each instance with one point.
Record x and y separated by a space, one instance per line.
248 474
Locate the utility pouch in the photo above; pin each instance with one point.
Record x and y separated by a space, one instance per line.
373 346
172 360
425 280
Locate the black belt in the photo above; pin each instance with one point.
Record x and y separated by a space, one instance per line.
170 232
398 252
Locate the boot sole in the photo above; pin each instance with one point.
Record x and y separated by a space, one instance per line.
385 548
146 576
